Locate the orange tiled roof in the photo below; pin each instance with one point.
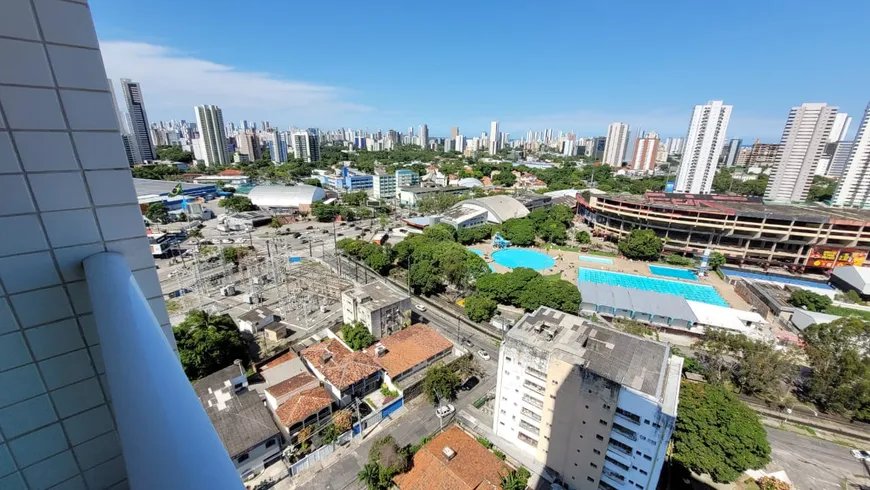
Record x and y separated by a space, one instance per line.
473 467
278 361
290 384
344 367
230 172
302 405
409 347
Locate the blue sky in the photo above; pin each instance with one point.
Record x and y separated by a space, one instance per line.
572 65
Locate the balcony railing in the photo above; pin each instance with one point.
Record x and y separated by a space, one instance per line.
625 432
534 387
533 401
536 373
166 437
618 446
530 414
529 427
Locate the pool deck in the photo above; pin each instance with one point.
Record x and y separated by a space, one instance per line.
567 264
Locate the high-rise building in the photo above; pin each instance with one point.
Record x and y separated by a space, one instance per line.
763 154
140 128
853 189
617 142
460 143
631 144
493 137
806 133
732 150
306 145
277 145
675 145
248 144
212 134
424 136
595 405
454 132
703 146
841 126
131 149
646 152
839 157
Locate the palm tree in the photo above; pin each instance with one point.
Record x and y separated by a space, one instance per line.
370 475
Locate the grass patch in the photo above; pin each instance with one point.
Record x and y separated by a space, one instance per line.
172 306
600 253
565 248
809 430
553 277
843 311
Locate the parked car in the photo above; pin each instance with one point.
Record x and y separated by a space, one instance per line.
859 454
444 411
309 227
467 343
420 307
483 355
469 383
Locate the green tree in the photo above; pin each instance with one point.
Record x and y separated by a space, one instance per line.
583 237
822 189
553 231
235 254
314 182
275 223
357 336
174 153
717 434
480 308
325 212
156 172
441 383
194 234
722 181
157 212
380 261
515 479
355 198
425 278
837 352
716 260
504 179
386 460
809 300
520 231
557 294
641 245
440 233
207 343
468 236
236 204
506 288
561 213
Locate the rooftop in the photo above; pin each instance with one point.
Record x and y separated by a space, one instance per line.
338 364
257 314
282 367
148 187
472 467
634 362
302 405
375 295
434 190
290 385
409 347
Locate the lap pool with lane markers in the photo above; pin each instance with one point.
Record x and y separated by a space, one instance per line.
693 292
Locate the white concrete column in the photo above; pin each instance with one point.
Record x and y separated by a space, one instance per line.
167 439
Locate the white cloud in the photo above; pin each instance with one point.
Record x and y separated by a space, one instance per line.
174 82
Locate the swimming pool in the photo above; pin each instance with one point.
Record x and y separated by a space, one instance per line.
476 251
518 257
597 260
775 278
673 272
694 292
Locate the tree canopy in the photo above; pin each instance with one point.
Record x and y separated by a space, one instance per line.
236 204
157 212
520 231
357 336
718 434
716 260
208 343
641 245
174 153
525 288
386 460
441 383
480 308
809 300
156 172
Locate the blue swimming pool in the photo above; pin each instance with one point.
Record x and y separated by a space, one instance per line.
476 251
694 292
775 278
518 257
597 260
673 272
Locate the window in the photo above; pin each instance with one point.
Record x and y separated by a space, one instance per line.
506 358
589 478
646 422
642 472
593 465
596 451
657 426
270 443
602 422
599 437
242 458
606 406
575 464
647 457
587 407
639 486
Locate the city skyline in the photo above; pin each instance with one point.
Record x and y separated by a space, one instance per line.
390 90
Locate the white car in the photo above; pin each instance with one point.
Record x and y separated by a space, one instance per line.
226 240
864 455
483 354
420 307
444 411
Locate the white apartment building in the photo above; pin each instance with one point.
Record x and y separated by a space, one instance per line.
381 309
306 146
854 187
460 143
646 153
406 178
616 144
595 406
493 138
806 133
675 146
703 147
212 135
383 185
842 122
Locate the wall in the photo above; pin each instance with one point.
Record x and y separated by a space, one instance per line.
258 455
653 434
68 194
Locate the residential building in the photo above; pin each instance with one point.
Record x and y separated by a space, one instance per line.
595 405
744 155
345 374
840 128
381 309
762 154
596 147
853 189
460 143
704 142
242 422
410 196
493 138
248 144
212 135
131 149
306 145
383 184
140 128
675 145
424 136
409 350
646 153
298 402
617 142
406 178
631 144
841 152
731 152
454 132
803 141
256 319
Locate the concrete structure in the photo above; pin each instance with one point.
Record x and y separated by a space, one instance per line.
406 178
212 135
852 278
838 159
139 126
491 209
377 306
410 196
248 144
732 151
617 142
306 145
383 184
675 145
299 196
762 154
409 350
223 180
703 147
299 402
595 405
277 144
493 138
646 151
840 128
257 319
345 374
853 189
424 136
744 229
803 141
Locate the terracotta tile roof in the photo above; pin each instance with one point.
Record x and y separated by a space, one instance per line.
290 385
278 361
473 467
409 347
231 172
302 405
340 366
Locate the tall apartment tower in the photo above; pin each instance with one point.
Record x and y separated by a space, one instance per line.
853 189
139 118
595 405
131 149
731 152
645 153
617 143
703 146
454 132
424 136
493 137
306 145
842 121
806 133
248 144
212 134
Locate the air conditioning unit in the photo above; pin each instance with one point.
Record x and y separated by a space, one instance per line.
448 453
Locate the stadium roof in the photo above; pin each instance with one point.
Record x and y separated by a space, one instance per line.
285 196
501 208
148 187
470 182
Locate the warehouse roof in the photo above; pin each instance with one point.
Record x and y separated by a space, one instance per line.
285 196
638 300
857 277
501 208
148 187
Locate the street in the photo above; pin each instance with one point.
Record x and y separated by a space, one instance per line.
813 464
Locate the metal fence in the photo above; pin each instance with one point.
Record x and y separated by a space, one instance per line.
320 453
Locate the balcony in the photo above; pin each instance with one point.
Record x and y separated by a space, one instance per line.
533 401
536 373
160 420
525 412
529 427
624 432
620 447
534 387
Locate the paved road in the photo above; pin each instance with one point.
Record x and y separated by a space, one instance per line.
813 464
